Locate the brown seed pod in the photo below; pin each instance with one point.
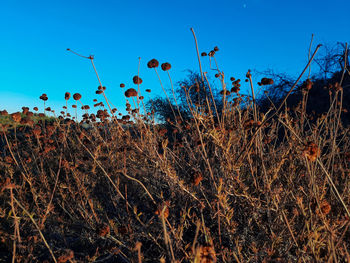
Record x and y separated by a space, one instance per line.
67 96
148 90
130 93
122 85
166 66
204 54
153 63
99 91
76 96
137 80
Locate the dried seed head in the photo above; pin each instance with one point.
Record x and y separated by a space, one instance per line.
137 80
3 113
153 63
166 66
216 49
197 178
235 89
225 92
148 90
16 117
165 207
66 256
266 81
204 54
311 151
325 207
130 93
43 97
103 230
122 85
67 96
76 96
206 254
85 107
211 53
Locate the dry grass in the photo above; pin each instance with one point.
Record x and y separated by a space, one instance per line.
230 186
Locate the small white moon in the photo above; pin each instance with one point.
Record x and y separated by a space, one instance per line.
244 5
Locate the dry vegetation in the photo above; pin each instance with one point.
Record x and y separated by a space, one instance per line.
229 184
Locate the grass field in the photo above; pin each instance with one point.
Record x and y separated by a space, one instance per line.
227 184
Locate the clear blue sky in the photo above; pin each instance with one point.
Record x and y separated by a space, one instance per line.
251 34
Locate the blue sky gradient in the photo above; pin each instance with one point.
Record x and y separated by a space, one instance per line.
251 34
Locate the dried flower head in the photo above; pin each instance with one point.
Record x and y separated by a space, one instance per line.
148 90
3 113
197 178
325 207
163 207
225 92
103 230
122 85
16 117
153 63
67 96
266 81
166 66
43 97
101 88
311 151
76 96
137 80
308 84
211 53
130 93
205 254
66 256
85 107
204 54
216 49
